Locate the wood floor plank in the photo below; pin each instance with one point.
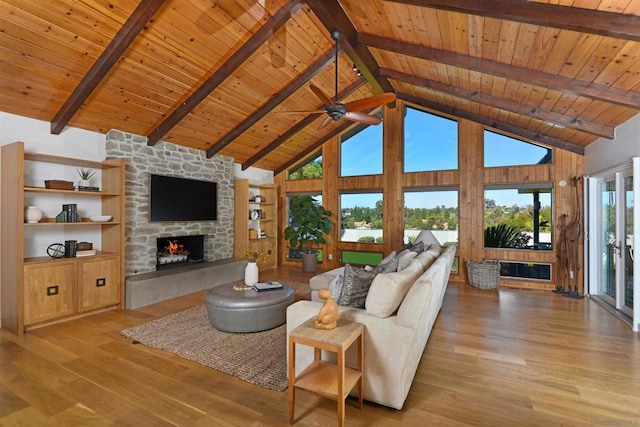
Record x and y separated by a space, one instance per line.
494 357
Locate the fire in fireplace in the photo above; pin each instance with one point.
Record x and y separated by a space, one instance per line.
179 250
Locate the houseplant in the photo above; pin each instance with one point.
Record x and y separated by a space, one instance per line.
85 175
310 222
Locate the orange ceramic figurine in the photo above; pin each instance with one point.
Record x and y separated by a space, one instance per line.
329 312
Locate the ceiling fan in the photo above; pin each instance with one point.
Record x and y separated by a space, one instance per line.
353 110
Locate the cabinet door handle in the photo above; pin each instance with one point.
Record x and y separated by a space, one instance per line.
101 282
52 290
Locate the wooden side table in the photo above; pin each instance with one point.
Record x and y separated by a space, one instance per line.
326 379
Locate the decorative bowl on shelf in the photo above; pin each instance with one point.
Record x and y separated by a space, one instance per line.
100 218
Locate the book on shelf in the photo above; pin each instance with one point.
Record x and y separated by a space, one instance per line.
90 188
71 212
267 286
86 252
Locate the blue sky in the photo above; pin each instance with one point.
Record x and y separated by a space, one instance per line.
431 144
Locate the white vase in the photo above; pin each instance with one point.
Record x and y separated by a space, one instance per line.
251 274
32 214
84 183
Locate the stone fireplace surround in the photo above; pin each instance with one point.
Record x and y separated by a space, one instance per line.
144 285
165 158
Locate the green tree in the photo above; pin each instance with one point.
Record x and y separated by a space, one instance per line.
309 171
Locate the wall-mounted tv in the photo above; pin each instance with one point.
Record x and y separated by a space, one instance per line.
182 199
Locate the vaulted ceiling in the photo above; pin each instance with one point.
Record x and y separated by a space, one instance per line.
219 75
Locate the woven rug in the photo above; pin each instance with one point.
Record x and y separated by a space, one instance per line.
258 358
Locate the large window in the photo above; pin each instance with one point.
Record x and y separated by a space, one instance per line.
361 151
435 210
361 217
518 216
430 142
309 169
502 150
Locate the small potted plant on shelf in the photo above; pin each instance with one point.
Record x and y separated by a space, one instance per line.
85 175
310 222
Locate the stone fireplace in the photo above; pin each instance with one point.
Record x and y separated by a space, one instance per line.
164 158
175 251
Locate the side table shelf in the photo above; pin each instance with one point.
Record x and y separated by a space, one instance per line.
327 379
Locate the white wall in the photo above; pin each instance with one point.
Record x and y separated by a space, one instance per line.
72 142
605 153
254 175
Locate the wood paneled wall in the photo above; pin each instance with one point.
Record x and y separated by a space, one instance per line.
470 179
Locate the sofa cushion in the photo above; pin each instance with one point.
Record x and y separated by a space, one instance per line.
425 259
355 286
388 290
404 258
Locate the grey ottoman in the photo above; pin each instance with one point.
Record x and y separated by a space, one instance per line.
247 311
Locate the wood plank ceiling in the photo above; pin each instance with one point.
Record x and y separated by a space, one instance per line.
216 75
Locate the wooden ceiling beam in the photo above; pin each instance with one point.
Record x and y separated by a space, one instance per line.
114 50
273 102
503 104
515 130
610 24
333 17
220 75
596 91
298 127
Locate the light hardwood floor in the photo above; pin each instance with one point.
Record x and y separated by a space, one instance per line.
504 358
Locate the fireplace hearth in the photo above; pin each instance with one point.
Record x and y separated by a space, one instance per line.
177 251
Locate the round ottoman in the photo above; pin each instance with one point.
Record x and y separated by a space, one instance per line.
247 311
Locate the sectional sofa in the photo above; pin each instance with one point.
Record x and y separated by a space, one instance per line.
400 310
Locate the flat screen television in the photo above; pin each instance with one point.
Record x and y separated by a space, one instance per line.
182 199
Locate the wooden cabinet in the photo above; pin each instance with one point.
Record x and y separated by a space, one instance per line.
256 221
48 291
38 289
98 282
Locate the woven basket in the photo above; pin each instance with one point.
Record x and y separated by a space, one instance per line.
484 274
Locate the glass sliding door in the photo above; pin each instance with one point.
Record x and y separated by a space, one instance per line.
609 246
613 231
627 245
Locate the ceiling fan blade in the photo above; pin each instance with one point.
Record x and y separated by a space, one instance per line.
320 94
357 116
370 102
325 122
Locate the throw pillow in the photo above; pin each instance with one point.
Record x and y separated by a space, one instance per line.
355 286
427 237
389 289
388 258
416 247
390 266
336 287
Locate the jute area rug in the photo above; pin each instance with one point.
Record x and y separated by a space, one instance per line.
258 358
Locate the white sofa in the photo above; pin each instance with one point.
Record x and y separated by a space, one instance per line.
393 344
